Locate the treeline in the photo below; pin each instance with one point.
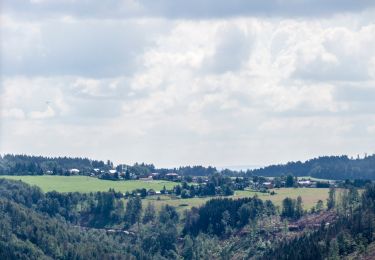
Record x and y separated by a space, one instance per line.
327 167
39 165
98 210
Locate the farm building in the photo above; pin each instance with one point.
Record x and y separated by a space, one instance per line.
74 171
172 176
149 178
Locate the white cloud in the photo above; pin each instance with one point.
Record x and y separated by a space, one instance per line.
48 113
212 91
15 113
344 55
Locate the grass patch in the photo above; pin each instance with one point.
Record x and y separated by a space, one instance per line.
310 197
87 184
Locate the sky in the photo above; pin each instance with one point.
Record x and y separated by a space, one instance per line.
172 82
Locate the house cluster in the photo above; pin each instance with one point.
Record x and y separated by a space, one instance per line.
307 183
109 174
172 176
303 183
116 174
152 192
199 179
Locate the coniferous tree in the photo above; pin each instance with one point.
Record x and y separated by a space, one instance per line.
149 214
331 201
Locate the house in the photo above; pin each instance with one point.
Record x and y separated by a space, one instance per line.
304 183
172 176
268 185
73 171
149 178
151 192
307 183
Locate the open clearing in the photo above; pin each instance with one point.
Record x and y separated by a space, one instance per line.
87 184
309 197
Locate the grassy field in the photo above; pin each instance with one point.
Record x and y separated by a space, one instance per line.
88 184
309 197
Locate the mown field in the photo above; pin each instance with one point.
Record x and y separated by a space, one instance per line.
309 197
88 184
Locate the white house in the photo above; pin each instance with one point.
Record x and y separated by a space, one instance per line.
74 171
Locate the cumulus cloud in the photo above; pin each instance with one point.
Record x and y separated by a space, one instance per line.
232 50
344 55
81 48
49 112
139 86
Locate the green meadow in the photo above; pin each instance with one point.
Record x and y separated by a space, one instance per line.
310 197
87 184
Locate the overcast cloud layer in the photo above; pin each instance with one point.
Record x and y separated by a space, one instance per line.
188 82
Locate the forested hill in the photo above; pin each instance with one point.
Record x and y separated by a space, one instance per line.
39 165
326 167
34 165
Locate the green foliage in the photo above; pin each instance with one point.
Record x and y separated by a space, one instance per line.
289 181
292 208
26 234
36 225
353 230
133 210
217 215
149 214
288 209
159 238
333 253
331 201
188 248
168 214
319 206
326 167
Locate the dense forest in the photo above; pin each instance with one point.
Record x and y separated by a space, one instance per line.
102 225
327 167
39 165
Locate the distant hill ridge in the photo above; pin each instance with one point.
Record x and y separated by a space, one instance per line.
325 167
